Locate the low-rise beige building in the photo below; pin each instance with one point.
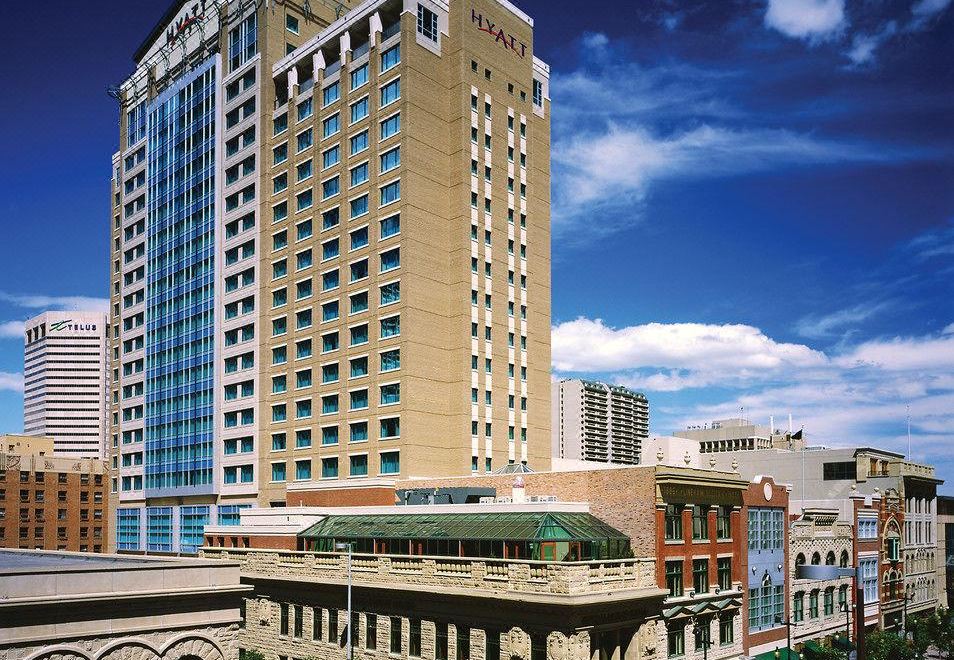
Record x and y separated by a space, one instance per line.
74 606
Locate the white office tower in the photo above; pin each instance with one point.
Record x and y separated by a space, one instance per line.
65 385
594 421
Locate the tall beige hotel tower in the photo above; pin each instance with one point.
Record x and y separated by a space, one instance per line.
331 256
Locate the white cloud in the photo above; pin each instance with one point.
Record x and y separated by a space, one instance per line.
815 326
923 11
72 303
615 169
11 329
863 46
858 396
11 381
587 345
812 20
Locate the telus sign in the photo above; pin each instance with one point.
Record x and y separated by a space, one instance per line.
68 324
509 41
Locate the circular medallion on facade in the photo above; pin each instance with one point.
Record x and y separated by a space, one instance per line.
767 491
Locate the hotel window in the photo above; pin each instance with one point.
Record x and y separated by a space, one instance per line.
303 379
329 373
304 140
279 384
798 607
329 468
390 126
359 238
390 159
302 473
359 302
390 260
359 174
303 260
537 93
700 575
329 342
359 142
330 94
278 413
330 157
390 464
243 42
390 226
330 187
304 199
359 334
390 293
329 311
303 409
829 601
674 578
329 404
391 360
390 327
280 153
329 219
359 76
359 110
304 109
427 23
278 471
329 249
390 428
330 126
280 124
279 212
813 604
329 435
359 430
359 465
279 355
390 58
359 206
390 394
358 270
359 367
302 349
303 170
391 92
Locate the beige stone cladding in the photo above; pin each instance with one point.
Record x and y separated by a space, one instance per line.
394 381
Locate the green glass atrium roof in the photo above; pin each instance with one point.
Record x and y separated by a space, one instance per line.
524 526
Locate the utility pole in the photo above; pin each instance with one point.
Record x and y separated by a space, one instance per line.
349 649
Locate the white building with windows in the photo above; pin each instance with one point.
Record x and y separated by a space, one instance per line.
598 422
65 381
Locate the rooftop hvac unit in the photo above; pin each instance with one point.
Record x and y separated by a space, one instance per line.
486 500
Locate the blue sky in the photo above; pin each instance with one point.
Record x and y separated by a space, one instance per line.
753 202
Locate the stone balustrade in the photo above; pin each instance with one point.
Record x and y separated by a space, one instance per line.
508 575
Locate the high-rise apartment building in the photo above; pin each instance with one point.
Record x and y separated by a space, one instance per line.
330 255
593 421
65 386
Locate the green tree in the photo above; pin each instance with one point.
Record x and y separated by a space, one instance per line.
886 645
934 630
251 654
824 653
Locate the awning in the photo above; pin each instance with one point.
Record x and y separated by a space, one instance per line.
783 654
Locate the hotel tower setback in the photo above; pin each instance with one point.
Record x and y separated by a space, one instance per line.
330 256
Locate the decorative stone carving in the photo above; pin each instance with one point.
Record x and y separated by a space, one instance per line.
558 646
648 639
580 646
264 612
519 644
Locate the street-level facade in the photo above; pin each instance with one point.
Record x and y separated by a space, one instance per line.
65 381
355 281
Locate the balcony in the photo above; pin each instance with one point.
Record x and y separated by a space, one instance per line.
500 578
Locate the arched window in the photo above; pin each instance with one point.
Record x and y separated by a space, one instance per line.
830 558
844 559
799 559
816 558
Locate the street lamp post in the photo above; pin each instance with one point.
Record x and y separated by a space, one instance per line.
846 608
349 650
908 597
788 623
701 639
826 572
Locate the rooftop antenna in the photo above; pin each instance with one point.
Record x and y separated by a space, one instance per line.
789 424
